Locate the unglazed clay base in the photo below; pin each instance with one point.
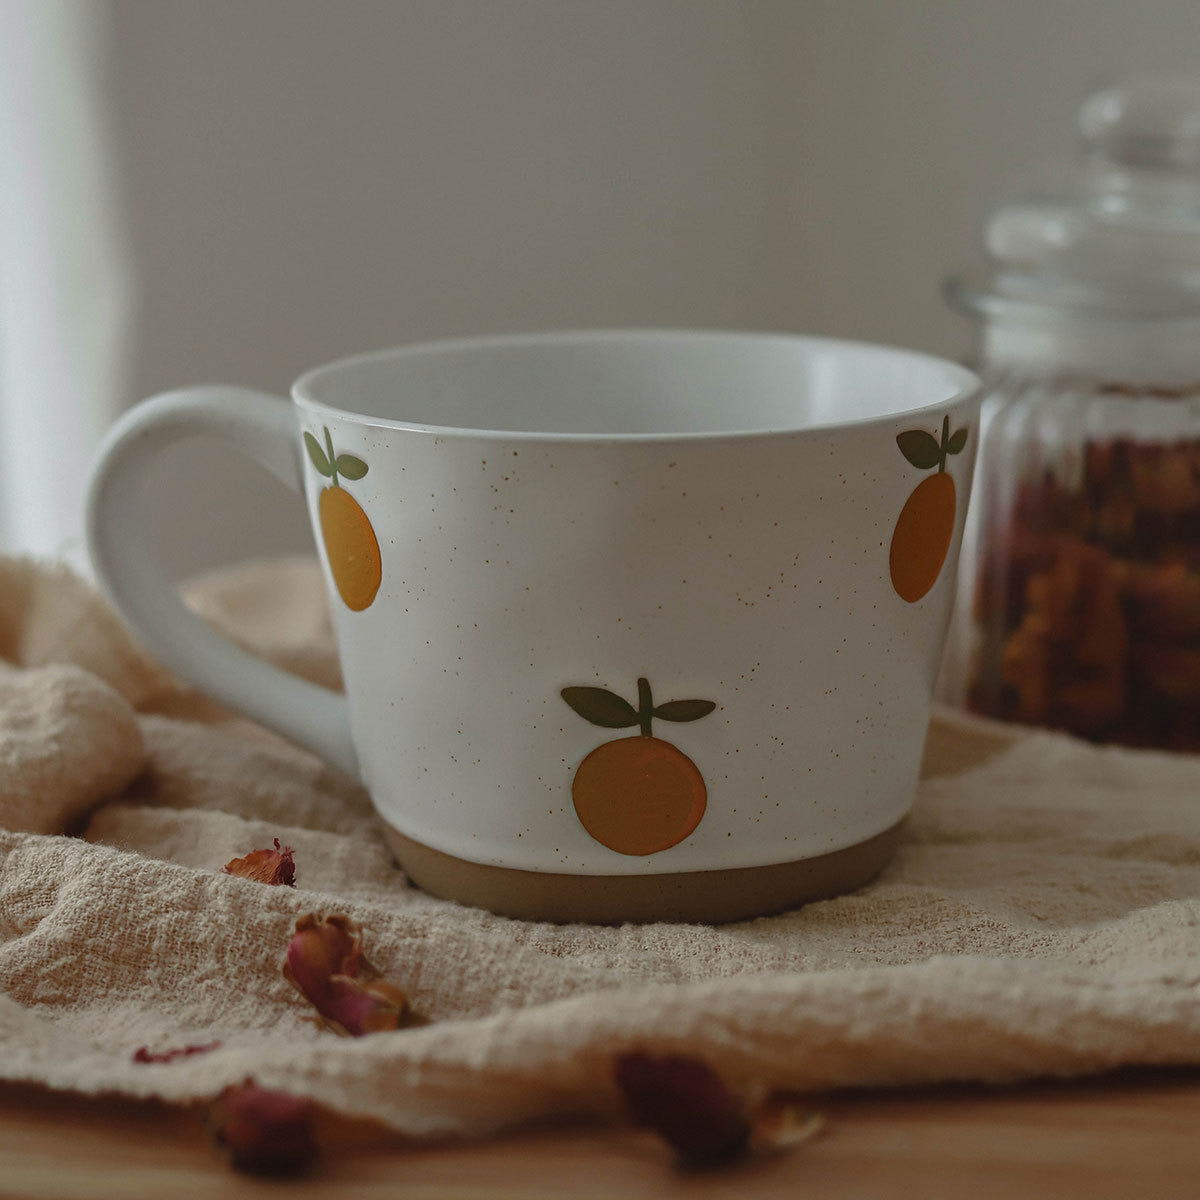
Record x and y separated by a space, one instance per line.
708 897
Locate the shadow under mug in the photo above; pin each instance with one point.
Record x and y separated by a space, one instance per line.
634 625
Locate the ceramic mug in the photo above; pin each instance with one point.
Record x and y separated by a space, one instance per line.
633 625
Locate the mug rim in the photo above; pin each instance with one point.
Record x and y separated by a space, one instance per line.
967 384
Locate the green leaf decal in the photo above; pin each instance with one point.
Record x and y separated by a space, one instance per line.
601 707
317 455
350 467
957 442
920 448
684 710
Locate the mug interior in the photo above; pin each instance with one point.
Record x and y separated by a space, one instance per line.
635 384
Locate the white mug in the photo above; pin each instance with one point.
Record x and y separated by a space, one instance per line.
633 624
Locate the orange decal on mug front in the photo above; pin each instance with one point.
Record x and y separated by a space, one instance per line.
637 795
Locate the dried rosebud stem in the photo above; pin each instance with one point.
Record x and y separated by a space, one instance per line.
265 1132
325 964
266 866
687 1103
783 1124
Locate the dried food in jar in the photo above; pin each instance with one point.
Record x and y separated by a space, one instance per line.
1088 597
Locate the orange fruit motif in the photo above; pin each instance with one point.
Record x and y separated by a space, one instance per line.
637 795
925 527
351 547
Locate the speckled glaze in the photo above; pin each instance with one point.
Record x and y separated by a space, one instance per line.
749 569
560 516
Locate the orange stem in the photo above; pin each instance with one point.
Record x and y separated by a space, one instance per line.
645 706
332 459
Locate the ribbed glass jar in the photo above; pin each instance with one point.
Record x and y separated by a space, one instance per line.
1079 601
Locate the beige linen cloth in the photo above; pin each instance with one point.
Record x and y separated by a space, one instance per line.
1041 918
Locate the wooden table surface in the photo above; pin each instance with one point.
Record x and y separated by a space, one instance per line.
1135 1134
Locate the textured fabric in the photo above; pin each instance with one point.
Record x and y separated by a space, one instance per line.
1041 917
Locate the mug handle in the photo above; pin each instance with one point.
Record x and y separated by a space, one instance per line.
265 427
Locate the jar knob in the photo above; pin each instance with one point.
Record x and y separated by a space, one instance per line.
1144 124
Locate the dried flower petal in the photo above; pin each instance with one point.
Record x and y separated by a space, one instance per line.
325 964
143 1054
265 1132
267 866
687 1103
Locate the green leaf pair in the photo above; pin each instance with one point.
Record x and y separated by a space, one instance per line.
329 465
610 711
924 451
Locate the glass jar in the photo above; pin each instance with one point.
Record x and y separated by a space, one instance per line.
1079 602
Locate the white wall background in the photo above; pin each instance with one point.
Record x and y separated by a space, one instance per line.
311 178
306 179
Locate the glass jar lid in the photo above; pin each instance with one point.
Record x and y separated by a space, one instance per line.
1118 236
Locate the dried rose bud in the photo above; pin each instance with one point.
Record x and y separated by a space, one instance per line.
267 866
143 1054
265 1132
687 1103
325 964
